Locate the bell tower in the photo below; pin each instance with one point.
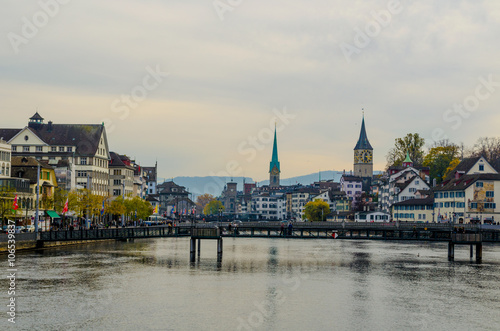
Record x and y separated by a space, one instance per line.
363 155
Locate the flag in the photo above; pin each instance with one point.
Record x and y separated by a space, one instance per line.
15 206
155 211
65 209
172 211
102 209
335 235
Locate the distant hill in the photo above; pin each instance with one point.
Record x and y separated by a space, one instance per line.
309 179
214 185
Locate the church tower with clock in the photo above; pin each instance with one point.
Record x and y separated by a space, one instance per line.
363 155
274 166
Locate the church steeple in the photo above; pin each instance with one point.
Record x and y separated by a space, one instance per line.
274 165
363 155
363 142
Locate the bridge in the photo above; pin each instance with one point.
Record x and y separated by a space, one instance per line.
432 232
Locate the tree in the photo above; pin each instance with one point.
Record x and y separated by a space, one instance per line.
451 167
203 200
412 143
213 208
7 195
439 159
316 210
489 147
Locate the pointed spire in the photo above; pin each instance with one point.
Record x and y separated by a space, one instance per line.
407 160
363 142
274 160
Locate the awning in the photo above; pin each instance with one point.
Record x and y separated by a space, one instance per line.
53 214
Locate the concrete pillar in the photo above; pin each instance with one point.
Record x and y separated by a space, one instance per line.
451 251
479 252
471 251
199 248
193 250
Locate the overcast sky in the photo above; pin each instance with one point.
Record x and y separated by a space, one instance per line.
232 65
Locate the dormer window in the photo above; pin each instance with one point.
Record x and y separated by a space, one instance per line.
481 167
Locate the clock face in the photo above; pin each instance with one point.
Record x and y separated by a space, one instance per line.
363 156
274 172
367 156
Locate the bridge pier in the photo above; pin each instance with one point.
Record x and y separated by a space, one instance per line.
479 252
451 251
199 248
192 251
219 250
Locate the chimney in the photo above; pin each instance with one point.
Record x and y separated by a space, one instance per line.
49 126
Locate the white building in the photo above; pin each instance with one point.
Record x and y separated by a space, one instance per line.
269 207
468 194
5 159
82 147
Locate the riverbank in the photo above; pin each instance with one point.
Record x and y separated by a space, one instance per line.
27 241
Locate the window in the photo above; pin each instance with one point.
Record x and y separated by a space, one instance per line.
83 160
481 167
117 192
39 148
452 194
490 205
70 149
53 149
479 184
117 182
490 194
473 205
14 148
417 182
26 149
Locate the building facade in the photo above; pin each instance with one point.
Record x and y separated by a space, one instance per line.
82 148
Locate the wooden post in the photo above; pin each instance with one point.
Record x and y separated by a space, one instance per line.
479 253
219 250
199 248
451 251
193 250
471 251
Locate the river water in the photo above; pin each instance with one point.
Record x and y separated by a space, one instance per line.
261 284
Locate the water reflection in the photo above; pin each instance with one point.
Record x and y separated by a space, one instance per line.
275 284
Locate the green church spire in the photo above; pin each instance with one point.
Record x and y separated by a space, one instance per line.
274 160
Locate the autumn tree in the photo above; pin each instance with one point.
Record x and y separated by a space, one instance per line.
213 207
7 195
203 200
440 158
412 143
316 211
489 147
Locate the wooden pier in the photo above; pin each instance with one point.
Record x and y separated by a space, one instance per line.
466 239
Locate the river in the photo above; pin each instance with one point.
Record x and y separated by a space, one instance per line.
261 284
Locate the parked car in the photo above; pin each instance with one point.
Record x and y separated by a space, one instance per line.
30 228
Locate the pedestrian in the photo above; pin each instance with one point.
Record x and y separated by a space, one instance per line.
282 232
290 227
